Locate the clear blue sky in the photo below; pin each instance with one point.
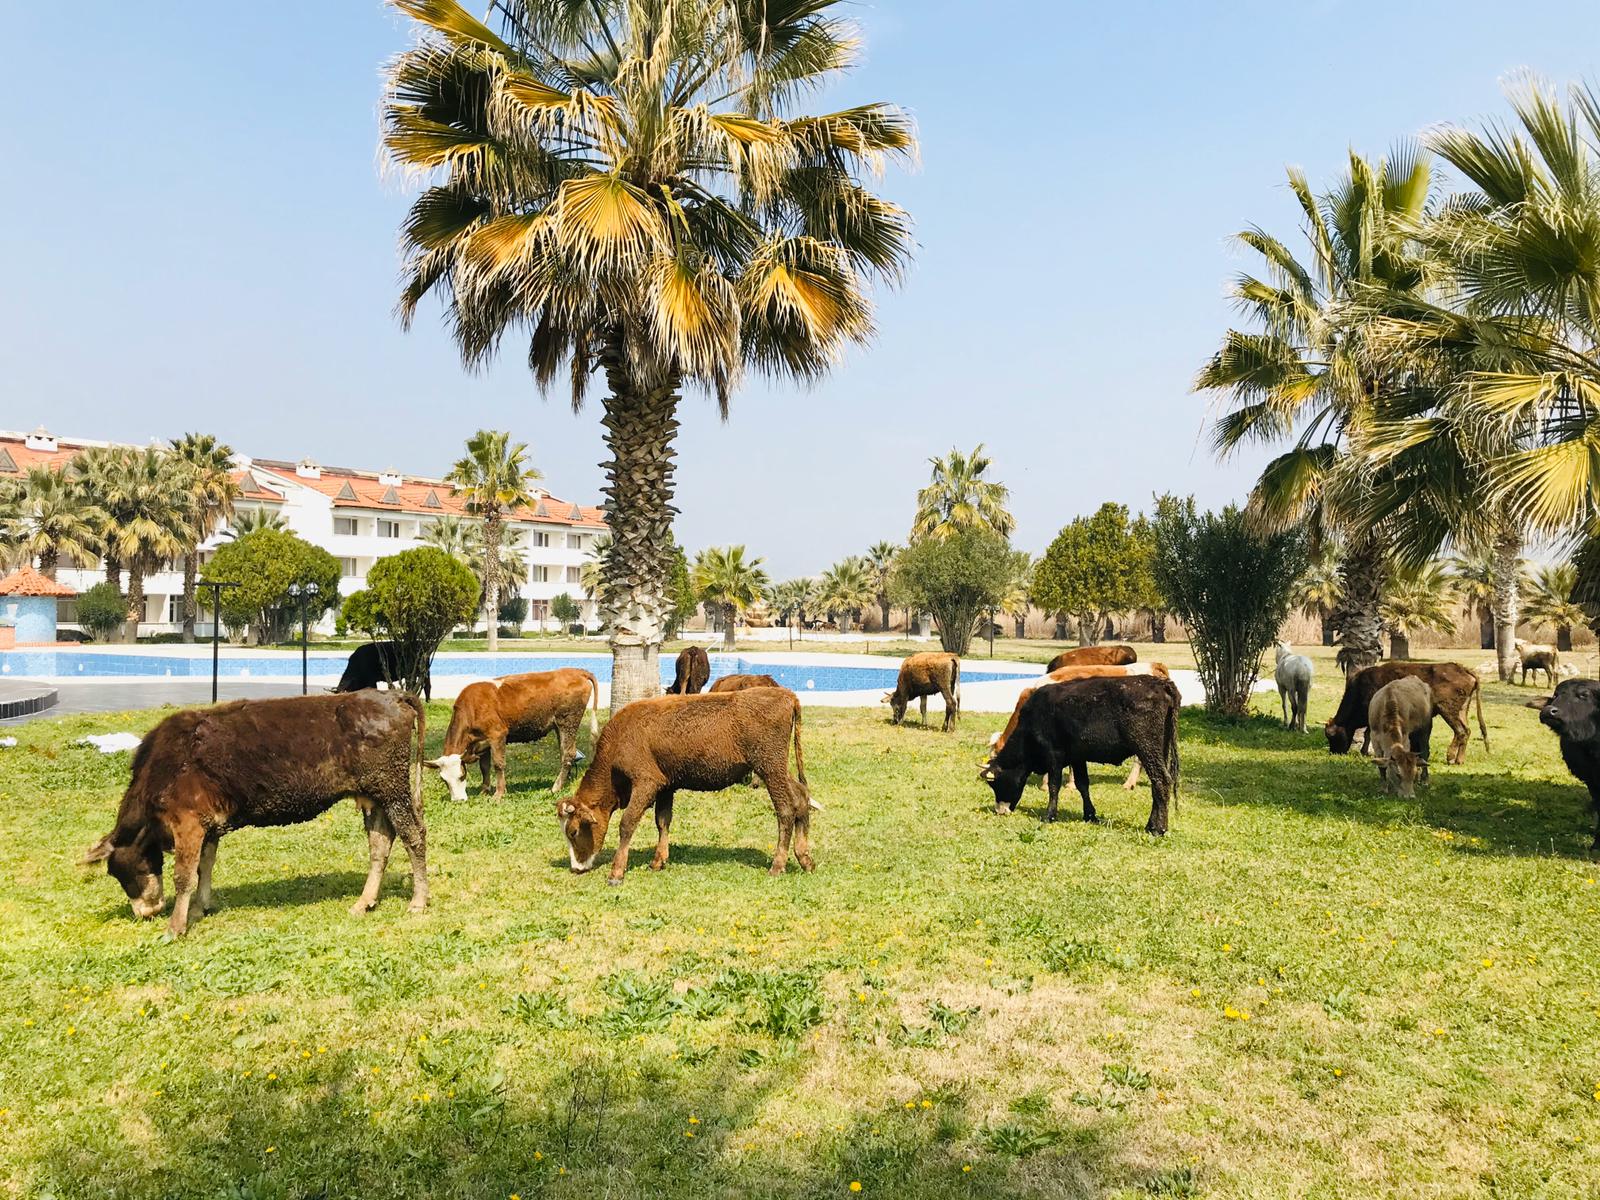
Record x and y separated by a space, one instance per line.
197 237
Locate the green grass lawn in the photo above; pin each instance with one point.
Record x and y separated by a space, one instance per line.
1307 990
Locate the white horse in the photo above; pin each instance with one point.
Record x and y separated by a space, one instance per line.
1293 676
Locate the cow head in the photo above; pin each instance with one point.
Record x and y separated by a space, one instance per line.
1571 712
585 829
897 705
136 865
1339 738
1006 783
453 771
1399 769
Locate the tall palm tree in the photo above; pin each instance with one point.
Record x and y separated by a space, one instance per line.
792 599
958 496
629 182
846 588
493 478
1475 573
1300 374
725 579
248 520
880 559
213 490
1419 597
148 510
459 537
96 468
1316 592
50 517
1550 601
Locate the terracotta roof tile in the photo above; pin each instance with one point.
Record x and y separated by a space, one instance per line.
25 581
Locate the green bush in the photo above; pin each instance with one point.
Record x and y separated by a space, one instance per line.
414 599
565 609
102 610
513 611
956 578
1090 570
264 564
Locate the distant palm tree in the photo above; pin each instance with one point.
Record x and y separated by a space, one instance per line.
725 579
589 574
1477 582
1549 602
845 588
494 477
95 468
1422 597
248 520
148 512
1316 592
959 497
1018 600
460 538
212 492
49 516
791 600
880 560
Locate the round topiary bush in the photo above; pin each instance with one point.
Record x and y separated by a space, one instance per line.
102 610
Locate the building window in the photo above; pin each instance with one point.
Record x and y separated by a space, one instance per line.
347 568
574 574
539 574
539 539
574 541
174 610
388 529
344 526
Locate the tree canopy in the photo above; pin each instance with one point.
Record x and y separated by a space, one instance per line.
264 564
957 578
1094 567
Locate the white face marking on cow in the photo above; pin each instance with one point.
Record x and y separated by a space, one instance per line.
449 768
994 738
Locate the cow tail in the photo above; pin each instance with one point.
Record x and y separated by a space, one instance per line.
420 712
955 682
594 707
800 758
1483 729
1172 742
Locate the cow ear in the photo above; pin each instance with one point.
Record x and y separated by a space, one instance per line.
98 852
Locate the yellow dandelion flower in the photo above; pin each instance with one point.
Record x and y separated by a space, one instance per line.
694 1120
688 1133
1227 947
855 1184
272 1074
927 1104
966 1168
538 1156
270 1150
1488 962
1337 1073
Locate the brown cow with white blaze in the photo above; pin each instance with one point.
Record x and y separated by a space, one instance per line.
205 772
997 741
515 708
1091 656
924 675
654 748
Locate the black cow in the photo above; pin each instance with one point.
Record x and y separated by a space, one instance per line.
1574 713
1072 724
375 663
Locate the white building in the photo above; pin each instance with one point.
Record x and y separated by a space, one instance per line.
357 516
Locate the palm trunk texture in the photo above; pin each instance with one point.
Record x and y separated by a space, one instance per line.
1507 551
491 577
1362 575
191 567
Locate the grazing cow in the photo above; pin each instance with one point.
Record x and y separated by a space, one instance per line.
1082 721
1083 656
375 663
738 683
694 668
997 741
652 749
1573 713
515 708
1400 719
924 675
1453 685
1293 676
206 772
1531 657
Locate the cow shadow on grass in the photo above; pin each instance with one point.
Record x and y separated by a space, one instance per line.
684 854
591 1114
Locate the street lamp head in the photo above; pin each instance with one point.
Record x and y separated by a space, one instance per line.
294 590
312 589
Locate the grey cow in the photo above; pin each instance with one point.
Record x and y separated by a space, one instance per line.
1293 676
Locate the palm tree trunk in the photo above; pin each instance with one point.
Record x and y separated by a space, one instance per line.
48 558
1326 626
135 599
1362 576
1158 625
883 604
730 627
1563 638
844 621
640 424
191 568
1399 644
1486 628
113 566
491 576
1021 624
1507 552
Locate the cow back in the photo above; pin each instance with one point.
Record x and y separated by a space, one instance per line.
1111 656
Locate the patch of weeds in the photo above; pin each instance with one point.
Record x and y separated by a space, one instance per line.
1034 1104
790 1004
648 923
1018 1141
1176 1182
543 931
1063 955
1341 1005
542 1010
639 1005
1032 925
1125 1075
1027 836
918 1037
703 1003
750 1058
693 1056
951 1020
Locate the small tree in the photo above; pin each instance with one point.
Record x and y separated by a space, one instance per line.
565 610
1550 601
1230 583
413 599
102 610
513 611
846 588
681 599
957 578
1089 570
264 564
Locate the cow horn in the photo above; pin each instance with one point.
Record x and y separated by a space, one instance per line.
566 808
435 763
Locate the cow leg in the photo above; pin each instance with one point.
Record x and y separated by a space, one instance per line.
663 827
1160 793
208 859
1052 780
1366 742
380 841
801 804
1132 781
497 755
187 840
567 737
643 794
1457 754
949 711
406 821
1080 776
1420 745
486 766
923 700
1283 701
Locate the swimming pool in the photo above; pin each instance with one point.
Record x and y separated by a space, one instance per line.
802 673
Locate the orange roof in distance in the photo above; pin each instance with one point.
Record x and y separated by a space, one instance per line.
25 581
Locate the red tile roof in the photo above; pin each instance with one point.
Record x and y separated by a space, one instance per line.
25 581
16 458
420 496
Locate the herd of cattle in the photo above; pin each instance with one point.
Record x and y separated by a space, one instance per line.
202 773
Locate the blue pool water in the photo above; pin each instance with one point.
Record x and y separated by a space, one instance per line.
245 664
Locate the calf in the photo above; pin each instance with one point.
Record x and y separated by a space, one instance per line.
924 675
652 749
1083 656
1538 658
1453 686
693 669
206 772
1573 714
375 663
515 708
1400 719
738 683
1292 673
1103 720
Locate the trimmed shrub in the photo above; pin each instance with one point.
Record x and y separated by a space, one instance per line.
414 599
102 610
956 578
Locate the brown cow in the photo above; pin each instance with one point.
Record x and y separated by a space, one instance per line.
206 772
997 741
1532 657
738 683
923 675
652 749
1400 719
515 708
1083 656
694 668
1453 685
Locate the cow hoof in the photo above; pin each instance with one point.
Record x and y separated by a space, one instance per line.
361 908
417 906
808 863
658 866
1151 829
614 881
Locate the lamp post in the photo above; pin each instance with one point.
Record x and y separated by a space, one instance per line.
216 587
304 593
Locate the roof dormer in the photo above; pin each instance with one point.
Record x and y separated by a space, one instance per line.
241 462
41 439
307 469
390 478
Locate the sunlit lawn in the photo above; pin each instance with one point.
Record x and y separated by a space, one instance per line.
1308 989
